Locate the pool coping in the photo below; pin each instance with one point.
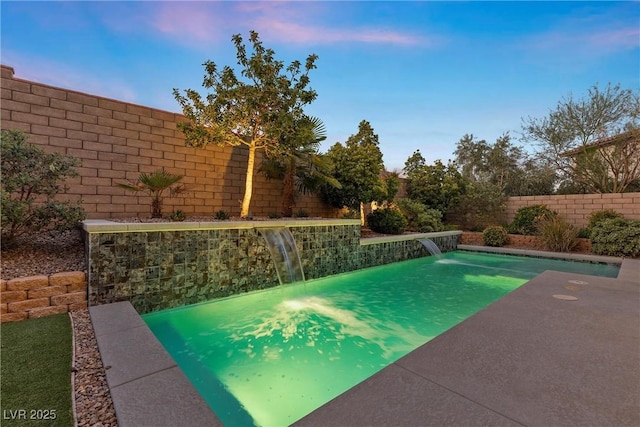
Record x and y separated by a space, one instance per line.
148 388
105 226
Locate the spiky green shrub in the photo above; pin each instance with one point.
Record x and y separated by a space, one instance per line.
616 237
387 221
302 214
495 235
419 217
177 216
31 183
155 184
221 215
526 219
557 234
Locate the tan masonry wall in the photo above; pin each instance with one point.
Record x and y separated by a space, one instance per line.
38 296
116 141
576 208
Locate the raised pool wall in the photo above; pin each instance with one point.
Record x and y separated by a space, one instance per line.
157 266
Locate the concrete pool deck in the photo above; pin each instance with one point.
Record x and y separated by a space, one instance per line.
527 359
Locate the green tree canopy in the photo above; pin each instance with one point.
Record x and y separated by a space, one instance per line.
568 139
254 110
505 166
437 186
357 166
300 166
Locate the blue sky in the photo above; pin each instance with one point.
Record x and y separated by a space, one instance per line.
422 73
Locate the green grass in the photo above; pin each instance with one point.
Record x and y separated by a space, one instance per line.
36 372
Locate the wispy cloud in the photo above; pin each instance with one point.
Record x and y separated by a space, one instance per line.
199 22
591 34
203 23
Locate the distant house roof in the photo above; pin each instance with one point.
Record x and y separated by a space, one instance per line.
621 138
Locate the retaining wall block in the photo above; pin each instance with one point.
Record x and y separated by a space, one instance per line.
18 306
26 283
69 298
49 291
12 317
67 278
12 296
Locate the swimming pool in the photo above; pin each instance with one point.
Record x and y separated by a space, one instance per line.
270 357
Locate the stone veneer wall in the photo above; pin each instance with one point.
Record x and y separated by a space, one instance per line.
38 296
157 268
117 140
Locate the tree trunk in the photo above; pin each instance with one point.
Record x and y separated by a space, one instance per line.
288 190
248 184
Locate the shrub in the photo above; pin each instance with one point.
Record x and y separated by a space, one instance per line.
221 215
526 219
495 235
155 184
616 237
387 221
275 215
557 234
302 214
597 216
177 216
419 217
31 180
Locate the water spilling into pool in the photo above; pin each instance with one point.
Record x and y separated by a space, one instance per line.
431 246
284 254
270 357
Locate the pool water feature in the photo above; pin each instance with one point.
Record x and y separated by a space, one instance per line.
270 357
431 246
284 253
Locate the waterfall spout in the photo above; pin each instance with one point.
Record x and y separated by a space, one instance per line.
431 247
284 254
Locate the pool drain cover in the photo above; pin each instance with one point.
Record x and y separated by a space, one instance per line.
565 297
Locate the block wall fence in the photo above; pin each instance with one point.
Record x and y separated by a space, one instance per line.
576 208
116 141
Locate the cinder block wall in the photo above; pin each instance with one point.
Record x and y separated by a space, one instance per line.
116 141
576 208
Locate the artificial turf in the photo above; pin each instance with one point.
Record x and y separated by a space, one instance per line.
35 368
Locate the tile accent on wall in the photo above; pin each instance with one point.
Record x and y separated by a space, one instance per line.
156 270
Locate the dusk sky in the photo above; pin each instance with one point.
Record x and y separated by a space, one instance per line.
422 73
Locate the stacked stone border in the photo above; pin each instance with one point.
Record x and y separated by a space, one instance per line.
39 296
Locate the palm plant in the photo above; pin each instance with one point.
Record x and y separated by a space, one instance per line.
155 184
300 166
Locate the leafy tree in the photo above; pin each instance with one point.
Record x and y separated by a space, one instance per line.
503 165
392 185
483 204
357 165
301 167
31 183
256 111
567 135
437 186
155 184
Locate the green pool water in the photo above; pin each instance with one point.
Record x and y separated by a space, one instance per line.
270 357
